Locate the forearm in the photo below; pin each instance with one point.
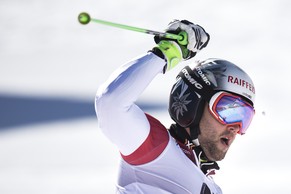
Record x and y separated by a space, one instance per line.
118 116
130 80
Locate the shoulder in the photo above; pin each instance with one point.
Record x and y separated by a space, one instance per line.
155 123
153 146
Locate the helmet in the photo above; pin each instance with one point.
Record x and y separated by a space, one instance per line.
196 85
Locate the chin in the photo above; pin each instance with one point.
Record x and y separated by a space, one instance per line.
218 156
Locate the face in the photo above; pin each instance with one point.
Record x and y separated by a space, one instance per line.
215 138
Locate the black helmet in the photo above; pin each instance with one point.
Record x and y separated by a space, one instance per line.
196 85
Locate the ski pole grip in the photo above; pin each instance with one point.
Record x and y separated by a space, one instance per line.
184 38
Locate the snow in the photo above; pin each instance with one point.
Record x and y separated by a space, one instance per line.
46 56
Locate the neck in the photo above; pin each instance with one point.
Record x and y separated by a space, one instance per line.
182 136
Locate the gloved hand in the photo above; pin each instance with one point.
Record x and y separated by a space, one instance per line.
174 51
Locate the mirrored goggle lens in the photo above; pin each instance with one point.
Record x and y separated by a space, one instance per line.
232 109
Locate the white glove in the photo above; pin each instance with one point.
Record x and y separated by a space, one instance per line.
174 51
198 38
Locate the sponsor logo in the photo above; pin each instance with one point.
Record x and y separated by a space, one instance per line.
191 79
203 76
241 82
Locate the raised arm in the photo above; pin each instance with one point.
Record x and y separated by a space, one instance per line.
120 119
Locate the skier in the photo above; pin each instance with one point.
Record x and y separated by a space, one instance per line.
210 103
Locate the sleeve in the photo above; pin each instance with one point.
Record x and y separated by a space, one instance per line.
119 118
152 147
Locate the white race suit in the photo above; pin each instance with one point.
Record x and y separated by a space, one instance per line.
151 160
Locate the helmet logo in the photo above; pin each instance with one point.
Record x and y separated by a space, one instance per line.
180 100
241 82
202 75
191 79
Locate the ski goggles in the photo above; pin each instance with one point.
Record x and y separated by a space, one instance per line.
231 110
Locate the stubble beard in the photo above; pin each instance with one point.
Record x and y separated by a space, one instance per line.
211 150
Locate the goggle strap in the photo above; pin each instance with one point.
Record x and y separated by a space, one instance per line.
196 83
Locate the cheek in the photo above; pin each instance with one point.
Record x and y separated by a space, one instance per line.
207 130
208 124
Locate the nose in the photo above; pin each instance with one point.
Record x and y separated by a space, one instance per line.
234 128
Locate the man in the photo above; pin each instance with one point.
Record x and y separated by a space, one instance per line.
210 103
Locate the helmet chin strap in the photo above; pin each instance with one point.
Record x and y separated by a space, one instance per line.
194 126
180 133
194 132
